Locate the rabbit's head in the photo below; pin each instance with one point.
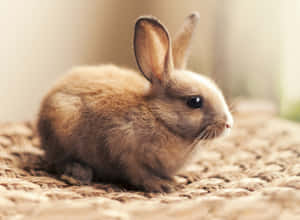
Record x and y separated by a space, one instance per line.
188 104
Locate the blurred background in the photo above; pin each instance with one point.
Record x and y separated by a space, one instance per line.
251 48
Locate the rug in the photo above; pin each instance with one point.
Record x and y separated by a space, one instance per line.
252 174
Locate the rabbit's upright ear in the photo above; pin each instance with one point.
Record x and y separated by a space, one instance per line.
182 40
152 47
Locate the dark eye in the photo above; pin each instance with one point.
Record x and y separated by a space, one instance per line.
195 102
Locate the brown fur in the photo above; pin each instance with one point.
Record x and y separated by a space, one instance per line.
182 40
125 127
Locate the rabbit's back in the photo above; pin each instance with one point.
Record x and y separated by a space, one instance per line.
85 106
100 89
105 79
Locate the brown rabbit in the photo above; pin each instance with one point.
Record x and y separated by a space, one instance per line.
121 125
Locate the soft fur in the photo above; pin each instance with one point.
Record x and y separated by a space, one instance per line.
131 127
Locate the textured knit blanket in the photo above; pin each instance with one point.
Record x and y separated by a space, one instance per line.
252 174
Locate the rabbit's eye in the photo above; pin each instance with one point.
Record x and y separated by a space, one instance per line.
195 102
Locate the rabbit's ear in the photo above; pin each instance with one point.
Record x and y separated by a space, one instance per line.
152 47
182 40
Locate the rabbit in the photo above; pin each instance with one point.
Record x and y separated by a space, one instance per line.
138 128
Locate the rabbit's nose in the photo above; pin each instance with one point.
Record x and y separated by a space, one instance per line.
228 119
227 125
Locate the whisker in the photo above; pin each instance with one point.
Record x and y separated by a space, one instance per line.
204 135
199 138
201 134
207 135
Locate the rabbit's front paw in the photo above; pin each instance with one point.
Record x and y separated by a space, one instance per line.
77 174
159 185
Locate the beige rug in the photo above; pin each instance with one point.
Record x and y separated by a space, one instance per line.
253 174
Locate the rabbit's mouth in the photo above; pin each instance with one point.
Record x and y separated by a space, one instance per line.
213 130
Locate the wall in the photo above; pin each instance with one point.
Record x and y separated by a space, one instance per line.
246 46
40 40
